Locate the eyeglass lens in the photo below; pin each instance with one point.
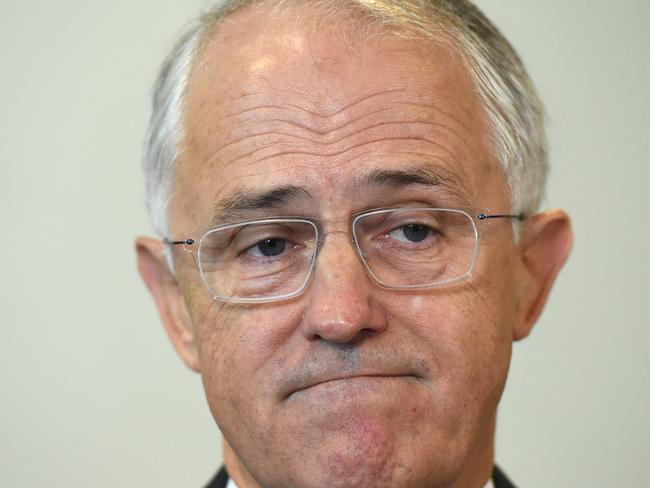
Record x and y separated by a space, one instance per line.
411 248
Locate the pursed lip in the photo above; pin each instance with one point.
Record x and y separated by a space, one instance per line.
333 379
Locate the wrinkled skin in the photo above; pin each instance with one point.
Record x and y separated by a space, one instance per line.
349 384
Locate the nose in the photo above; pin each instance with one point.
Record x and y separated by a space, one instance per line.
341 302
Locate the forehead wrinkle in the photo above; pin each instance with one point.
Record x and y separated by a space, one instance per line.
305 126
284 136
311 107
328 135
437 109
336 153
324 142
330 120
321 123
334 111
303 170
354 119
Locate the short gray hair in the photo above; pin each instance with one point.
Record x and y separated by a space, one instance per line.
509 97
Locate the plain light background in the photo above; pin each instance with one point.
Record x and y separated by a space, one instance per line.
93 395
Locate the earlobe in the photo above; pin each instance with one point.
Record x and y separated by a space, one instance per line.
172 307
544 248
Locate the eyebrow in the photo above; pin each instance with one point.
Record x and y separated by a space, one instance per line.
427 175
243 205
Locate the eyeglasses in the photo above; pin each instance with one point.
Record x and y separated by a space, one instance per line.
273 259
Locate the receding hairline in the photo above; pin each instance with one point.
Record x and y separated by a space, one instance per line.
365 22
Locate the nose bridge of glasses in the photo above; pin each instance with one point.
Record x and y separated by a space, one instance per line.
333 248
334 226
344 233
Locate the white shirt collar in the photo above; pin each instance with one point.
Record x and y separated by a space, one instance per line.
231 484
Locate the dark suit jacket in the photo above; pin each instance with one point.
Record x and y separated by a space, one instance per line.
500 480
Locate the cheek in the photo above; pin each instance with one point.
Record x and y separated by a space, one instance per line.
468 339
484 318
237 346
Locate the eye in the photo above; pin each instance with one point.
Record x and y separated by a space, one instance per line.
412 233
269 247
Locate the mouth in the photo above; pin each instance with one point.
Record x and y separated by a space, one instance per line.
356 378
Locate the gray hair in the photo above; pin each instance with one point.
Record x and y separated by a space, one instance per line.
509 97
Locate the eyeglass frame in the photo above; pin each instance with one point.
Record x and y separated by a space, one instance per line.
480 217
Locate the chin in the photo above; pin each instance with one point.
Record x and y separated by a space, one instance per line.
372 451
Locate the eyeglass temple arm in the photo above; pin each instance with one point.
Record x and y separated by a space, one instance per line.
187 242
483 216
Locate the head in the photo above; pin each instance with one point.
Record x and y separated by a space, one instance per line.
323 110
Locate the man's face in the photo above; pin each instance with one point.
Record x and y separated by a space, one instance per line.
348 384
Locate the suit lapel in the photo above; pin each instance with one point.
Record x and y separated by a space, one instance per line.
501 480
220 480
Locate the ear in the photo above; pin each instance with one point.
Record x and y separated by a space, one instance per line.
172 307
545 244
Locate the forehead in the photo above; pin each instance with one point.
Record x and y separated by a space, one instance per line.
320 104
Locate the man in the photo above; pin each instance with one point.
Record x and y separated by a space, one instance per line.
346 193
